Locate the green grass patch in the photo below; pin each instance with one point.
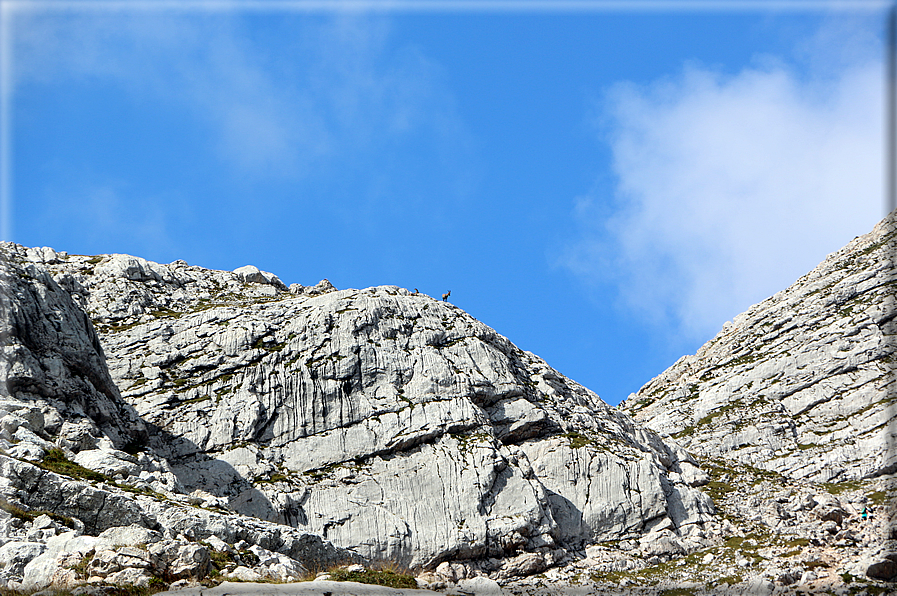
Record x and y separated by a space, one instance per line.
685 432
719 412
877 497
269 346
165 313
578 440
798 542
81 567
196 400
55 461
836 488
718 490
119 327
30 516
275 477
379 577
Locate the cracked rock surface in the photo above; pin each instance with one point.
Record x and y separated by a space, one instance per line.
802 383
389 424
172 423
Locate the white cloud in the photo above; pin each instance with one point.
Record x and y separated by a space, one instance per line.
729 188
112 218
278 99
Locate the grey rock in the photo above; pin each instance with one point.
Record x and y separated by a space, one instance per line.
132 535
51 352
130 576
53 567
108 461
15 555
797 384
251 274
180 560
106 561
760 586
479 586
881 566
244 574
391 424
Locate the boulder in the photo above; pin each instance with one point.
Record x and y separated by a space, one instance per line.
15 555
882 566
132 535
131 576
180 560
111 462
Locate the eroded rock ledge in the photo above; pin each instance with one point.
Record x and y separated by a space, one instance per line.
802 383
388 424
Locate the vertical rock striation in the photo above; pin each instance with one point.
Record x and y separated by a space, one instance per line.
802 383
390 423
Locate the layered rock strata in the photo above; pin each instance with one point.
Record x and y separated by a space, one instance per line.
802 383
391 424
59 408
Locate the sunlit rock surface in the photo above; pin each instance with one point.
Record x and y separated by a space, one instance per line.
802 383
390 424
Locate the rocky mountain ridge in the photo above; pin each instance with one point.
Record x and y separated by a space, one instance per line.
389 424
802 383
173 423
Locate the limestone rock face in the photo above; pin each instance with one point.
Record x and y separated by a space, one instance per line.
802 383
392 424
52 359
61 476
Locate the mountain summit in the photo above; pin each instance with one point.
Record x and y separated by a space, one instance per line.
392 425
170 424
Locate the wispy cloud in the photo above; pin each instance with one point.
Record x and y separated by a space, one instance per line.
277 101
729 187
112 218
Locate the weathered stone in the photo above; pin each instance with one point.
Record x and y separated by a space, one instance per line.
132 535
180 560
15 555
108 461
51 351
53 567
244 574
390 423
317 426
130 576
882 566
480 586
800 384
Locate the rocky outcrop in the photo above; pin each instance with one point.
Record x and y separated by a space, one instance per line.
62 480
802 383
52 359
389 424
223 424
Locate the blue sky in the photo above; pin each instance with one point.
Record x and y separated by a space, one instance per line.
605 188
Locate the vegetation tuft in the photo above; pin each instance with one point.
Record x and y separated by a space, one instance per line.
29 516
55 461
380 577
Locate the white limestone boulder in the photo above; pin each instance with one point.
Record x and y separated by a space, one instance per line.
111 462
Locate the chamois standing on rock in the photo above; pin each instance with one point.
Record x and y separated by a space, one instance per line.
446 295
